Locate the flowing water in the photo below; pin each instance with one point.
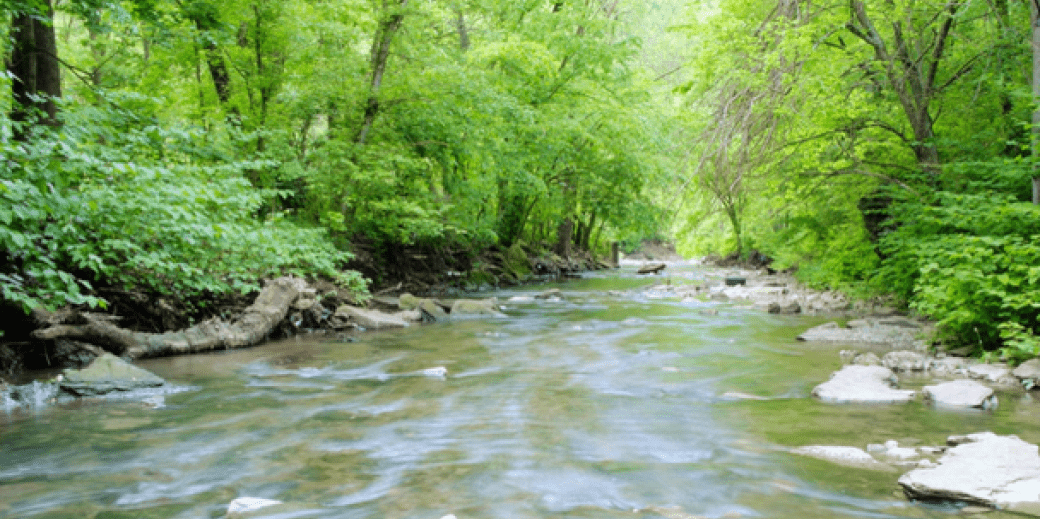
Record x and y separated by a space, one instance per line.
610 403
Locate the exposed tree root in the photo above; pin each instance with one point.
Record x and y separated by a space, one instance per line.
251 327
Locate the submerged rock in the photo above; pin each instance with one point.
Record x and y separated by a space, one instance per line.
106 374
862 385
371 319
790 307
473 307
33 395
845 456
244 505
552 293
961 393
986 469
895 333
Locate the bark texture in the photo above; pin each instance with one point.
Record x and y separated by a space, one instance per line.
388 27
1034 9
34 64
252 327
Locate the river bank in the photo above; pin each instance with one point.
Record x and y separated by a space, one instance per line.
137 325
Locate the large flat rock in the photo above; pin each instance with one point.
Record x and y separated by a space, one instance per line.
862 385
106 374
898 333
997 471
371 319
960 393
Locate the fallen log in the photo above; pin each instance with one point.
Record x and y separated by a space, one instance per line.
653 268
251 327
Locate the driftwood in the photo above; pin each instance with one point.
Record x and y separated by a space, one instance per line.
250 328
653 268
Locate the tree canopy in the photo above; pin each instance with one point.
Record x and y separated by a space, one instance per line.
189 148
195 147
876 143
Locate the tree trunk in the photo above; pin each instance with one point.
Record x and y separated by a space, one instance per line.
35 69
563 237
206 22
460 26
217 68
734 219
380 54
252 327
1034 9
912 66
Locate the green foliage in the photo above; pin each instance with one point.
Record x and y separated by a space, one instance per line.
971 262
115 199
1020 343
856 104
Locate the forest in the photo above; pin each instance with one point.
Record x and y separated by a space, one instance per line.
181 151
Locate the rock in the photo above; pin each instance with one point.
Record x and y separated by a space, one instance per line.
862 385
899 322
997 373
866 331
961 393
1028 372
407 301
790 307
845 456
106 374
475 307
866 359
986 469
737 395
430 311
552 293
372 319
653 268
905 361
899 454
948 366
244 505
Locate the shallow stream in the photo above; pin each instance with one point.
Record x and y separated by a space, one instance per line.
609 403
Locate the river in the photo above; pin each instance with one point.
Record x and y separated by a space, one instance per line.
609 403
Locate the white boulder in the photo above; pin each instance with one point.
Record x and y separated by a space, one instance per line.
862 385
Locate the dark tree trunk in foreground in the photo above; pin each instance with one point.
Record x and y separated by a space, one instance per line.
34 65
252 327
1034 9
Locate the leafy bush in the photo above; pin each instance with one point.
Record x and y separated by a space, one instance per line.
117 199
973 263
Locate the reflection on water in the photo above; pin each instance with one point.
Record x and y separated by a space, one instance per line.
601 405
